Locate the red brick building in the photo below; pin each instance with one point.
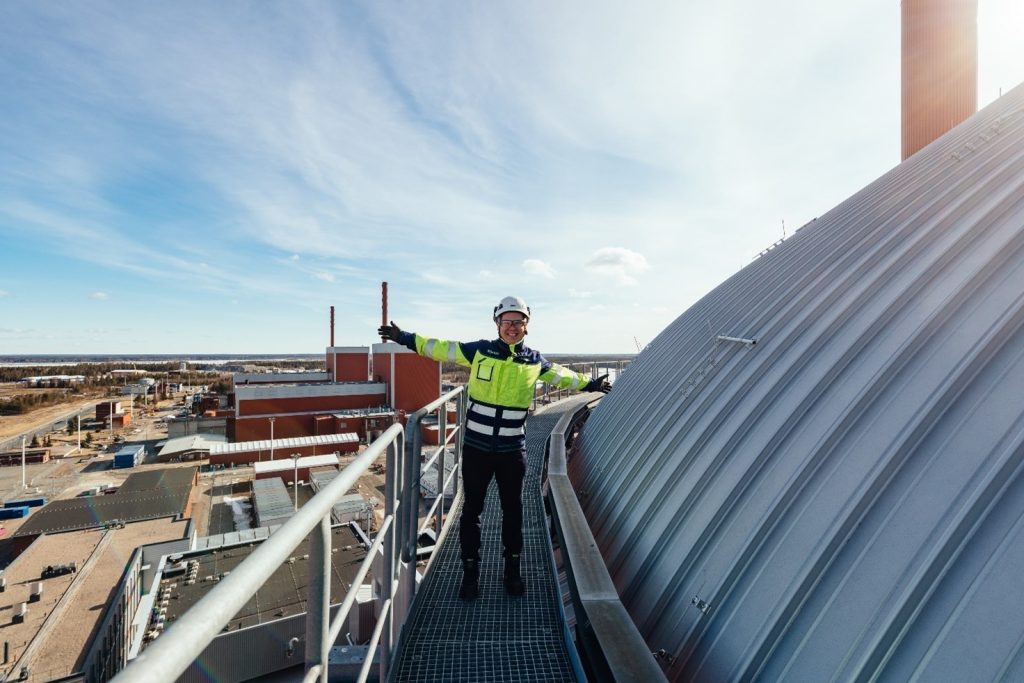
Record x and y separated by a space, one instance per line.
348 363
361 393
412 380
299 409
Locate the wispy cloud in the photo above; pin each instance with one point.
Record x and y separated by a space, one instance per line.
266 146
619 262
99 296
437 278
3 293
538 267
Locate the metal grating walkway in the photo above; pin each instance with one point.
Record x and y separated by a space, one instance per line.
496 637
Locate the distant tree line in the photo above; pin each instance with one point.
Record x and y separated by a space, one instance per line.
24 403
97 374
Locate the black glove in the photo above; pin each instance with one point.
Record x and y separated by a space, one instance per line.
600 384
392 331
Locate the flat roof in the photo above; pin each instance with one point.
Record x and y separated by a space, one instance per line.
297 442
282 464
66 636
246 392
144 495
284 593
132 450
66 644
192 442
243 378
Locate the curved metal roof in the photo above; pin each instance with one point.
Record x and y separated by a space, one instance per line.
844 499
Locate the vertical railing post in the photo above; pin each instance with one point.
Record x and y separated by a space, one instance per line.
460 418
395 453
407 520
409 517
441 459
318 600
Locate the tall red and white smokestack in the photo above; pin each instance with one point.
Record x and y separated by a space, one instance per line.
383 306
939 68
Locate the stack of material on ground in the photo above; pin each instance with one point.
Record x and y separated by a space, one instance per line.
37 501
272 502
129 456
15 509
352 507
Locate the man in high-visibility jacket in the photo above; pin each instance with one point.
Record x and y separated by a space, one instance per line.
503 375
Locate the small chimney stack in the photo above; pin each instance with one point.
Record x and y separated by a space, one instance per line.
332 327
383 305
939 68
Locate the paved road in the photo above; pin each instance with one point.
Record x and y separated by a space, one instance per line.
58 423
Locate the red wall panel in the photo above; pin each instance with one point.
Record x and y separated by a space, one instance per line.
348 365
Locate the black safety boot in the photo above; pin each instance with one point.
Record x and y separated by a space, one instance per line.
470 588
513 580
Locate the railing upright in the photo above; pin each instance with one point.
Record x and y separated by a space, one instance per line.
389 582
318 608
172 653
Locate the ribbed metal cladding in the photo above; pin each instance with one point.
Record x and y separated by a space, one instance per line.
939 68
844 499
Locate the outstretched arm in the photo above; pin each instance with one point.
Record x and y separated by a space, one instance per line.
564 378
435 349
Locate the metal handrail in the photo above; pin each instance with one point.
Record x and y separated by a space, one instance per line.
606 634
413 470
546 394
619 647
172 653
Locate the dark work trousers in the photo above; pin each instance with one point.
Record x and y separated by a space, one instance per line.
478 467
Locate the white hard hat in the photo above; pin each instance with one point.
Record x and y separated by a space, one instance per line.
511 304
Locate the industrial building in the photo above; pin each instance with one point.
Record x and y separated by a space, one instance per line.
161 582
62 623
254 452
350 508
193 447
363 391
113 415
220 451
144 495
293 470
52 380
32 455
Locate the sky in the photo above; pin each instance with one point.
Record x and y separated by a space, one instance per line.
197 177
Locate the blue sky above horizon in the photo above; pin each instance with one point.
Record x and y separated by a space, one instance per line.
210 177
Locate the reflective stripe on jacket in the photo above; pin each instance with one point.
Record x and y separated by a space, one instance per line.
502 379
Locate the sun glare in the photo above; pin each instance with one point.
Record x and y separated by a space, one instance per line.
1000 47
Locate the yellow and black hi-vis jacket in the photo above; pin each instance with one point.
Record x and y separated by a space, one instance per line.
502 380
